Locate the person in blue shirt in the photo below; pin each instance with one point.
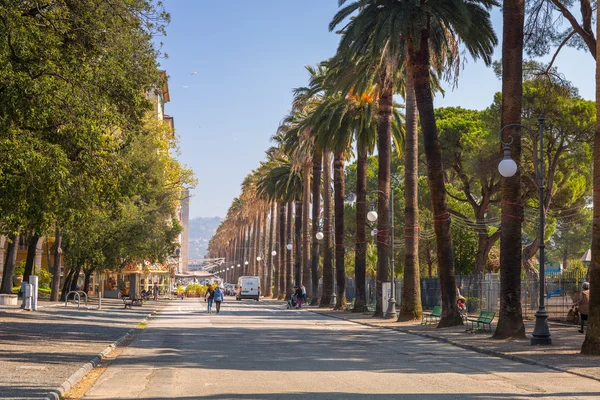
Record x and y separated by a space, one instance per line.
218 298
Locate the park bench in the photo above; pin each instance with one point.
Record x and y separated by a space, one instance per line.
484 318
556 292
129 301
432 317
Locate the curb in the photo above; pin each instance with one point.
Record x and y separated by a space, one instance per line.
482 350
65 388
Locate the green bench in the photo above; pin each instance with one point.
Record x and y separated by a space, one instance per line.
434 316
485 319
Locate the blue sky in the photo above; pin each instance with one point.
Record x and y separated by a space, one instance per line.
248 56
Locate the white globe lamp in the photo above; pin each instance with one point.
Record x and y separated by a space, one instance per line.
372 216
289 246
319 236
507 167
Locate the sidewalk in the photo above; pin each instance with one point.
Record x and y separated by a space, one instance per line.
562 355
39 350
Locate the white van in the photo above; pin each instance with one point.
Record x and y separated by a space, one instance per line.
248 287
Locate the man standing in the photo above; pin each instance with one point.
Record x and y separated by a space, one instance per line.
155 291
583 304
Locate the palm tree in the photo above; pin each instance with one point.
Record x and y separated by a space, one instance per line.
284 186
411 307
327 291
414 28
317 163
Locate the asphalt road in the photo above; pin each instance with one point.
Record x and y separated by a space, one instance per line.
262 351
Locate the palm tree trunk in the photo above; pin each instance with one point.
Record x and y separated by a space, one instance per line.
289 266
591 344
280 277
340 270
10 264
316 216
305 230
411 308
360 254
384 149
56 267
262 265
328 254
435 173
253 248
298 243
269 255
510 317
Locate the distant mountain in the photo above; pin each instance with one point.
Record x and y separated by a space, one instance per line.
201 231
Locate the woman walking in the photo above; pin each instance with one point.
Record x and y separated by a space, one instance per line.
210 295
218 298
583 304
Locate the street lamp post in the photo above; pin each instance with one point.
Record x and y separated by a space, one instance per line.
508 168
320 235
372 216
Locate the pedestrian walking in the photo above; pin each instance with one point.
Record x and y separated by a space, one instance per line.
303 293
583 304
155 291
218 298
210 296
298 294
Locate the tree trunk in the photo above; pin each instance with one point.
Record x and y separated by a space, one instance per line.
10 264
306 270
270 257
411 308
86 281
384 149
316 216
340 270
510 317
30 260
67 284
435 174
591 344
56 267
262 265
328 249
280 277
75 277
252 247
289 266
298 243
360 254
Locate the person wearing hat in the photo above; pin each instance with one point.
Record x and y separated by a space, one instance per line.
583 304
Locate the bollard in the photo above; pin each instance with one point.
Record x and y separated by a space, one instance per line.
27 297
33 283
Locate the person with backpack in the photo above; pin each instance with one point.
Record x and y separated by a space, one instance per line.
218 298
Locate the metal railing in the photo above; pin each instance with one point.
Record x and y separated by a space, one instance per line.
77 296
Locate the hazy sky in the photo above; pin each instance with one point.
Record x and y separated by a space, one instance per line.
232 66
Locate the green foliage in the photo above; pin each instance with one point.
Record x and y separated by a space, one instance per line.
45 278
195 290
78 147
576 267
